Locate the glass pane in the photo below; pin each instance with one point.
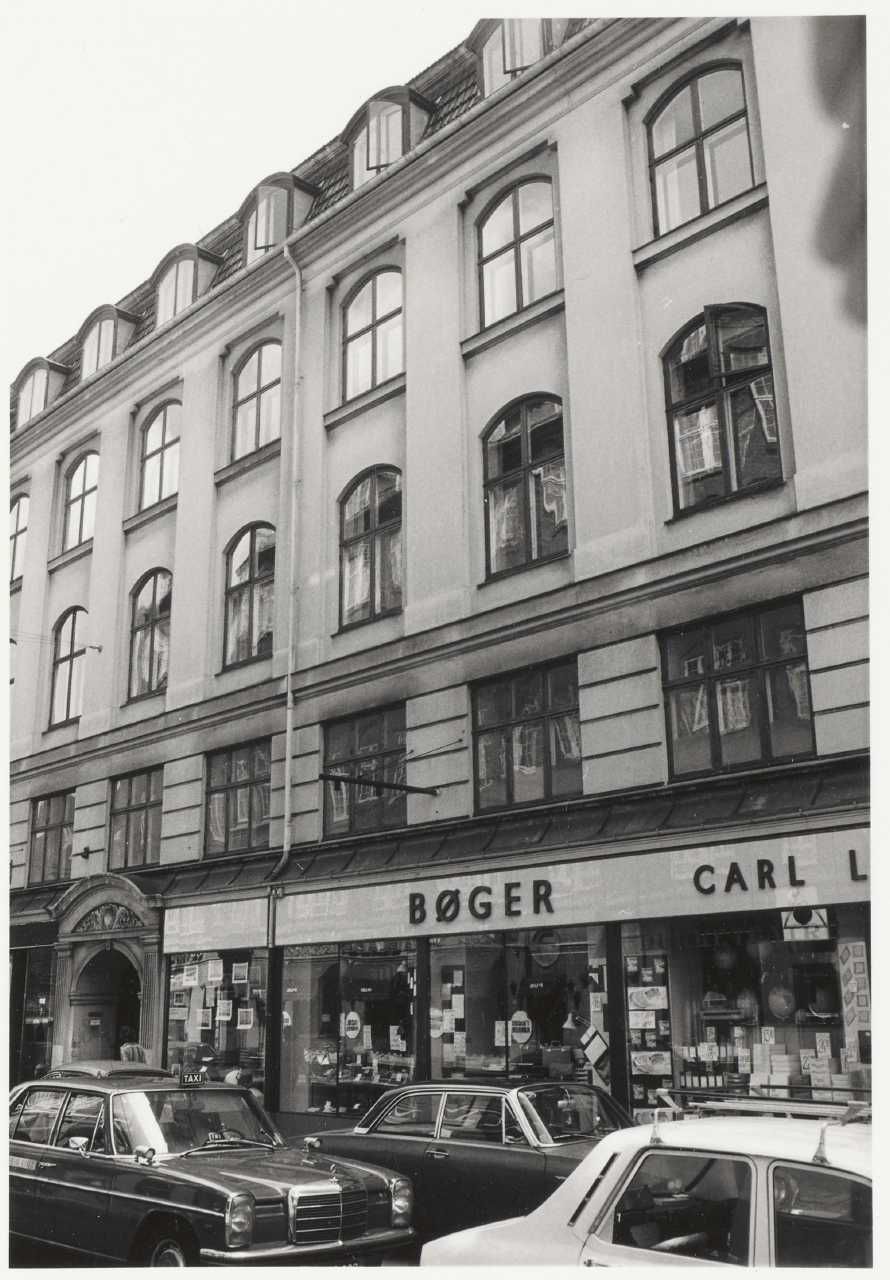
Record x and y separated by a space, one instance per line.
336 799
161 655
248 377
562 686
367 810
690 731
151 480
728 162
499 287
154 436
545 439
117 856
219 769
358 364
493 74
503 447
535 205
565 755
547 510
389 288
355 572
120 794
239 561
506 526
339 740
467 977
185 284
822 1218
106 342
72 525
528 694
741 337
358 313
538 261
522 43
239 818
389 496
676 191
394 727
753 419
720 94
494 703
497 229
66 835
491 767
60 694
91 470
35 870
140 658
528 762
75 706
245 429
263 618
675 125
242 763
156 784
144 605
56 810
139 789
470 1117
89 515
789 710
51 854
171 470
733 644
153 837
264 551
688 366
389 348
270 363
370 734
388 579
360 171
270 416
357 510
260 815
782 632
698 457
216 823
238 626
262 760
167 296
738 719
136 844
395 808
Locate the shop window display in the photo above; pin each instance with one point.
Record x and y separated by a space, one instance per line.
35 1006
216 1015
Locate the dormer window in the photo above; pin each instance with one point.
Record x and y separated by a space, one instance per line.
515 44
383 131
98 347
32 396
176 290
271 211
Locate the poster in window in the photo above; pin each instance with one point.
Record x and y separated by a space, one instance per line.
206 1019
647 997
224 1011
245 1018
240 971
179 999
190 975
214 972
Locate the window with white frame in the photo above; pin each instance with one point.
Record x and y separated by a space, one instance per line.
373 345
81 487
159 462
516 250
257 400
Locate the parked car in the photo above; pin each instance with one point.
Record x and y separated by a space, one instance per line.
105 1069
754 1191
478 1152
158 1172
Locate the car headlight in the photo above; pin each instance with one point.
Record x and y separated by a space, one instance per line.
402 1201
239 1220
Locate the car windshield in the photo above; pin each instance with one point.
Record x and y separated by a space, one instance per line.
173 1121
566 1112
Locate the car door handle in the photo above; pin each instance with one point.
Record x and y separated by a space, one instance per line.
437 1154
46 1164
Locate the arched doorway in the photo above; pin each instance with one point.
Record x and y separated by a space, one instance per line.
105 1005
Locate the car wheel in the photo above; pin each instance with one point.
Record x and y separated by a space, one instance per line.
167 1250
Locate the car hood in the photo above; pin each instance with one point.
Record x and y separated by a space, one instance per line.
269 1174
518 1241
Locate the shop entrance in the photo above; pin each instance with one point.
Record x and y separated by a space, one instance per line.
105 1006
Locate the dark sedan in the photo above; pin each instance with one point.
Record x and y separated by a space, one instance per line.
155 1172
479 1152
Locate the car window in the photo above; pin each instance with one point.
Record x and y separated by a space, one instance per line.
566 1111
38 1115
171 1121
79 1121
413 1115
688 1205
15 1109
477 1117
821 1218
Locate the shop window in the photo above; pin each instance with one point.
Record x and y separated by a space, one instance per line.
52 831
371 547
81 486
699 148
159 463
250 595
517 250
373 350
176 289
150 634
31 1010
18 531
257 405
527 737
371 749
238 788
217 1012
32 396
135 835
69 656
525 486
721 407
98 346
348 1024
737 691
821 1218
687 1205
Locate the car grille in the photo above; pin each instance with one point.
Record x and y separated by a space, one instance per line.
324 1217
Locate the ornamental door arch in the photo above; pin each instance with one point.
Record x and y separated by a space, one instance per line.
107 970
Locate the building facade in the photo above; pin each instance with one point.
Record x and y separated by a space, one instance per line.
439 600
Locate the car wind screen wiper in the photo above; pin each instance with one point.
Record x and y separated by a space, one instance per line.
211 1144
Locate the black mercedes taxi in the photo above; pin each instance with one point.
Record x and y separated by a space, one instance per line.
166 1172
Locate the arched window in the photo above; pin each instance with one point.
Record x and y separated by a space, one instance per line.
176 289
18 530
517 251
257 400
150 634
160 455
80 500
514 44
69 652
32 395
267 224
371 547
250 594
98 346
372 333
699 149
721 409
525 485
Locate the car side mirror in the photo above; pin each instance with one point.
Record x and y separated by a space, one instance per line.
311 1144
79 1145
145 1155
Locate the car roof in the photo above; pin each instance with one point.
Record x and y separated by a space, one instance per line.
122 1082
105 1067
491 1084
847 1147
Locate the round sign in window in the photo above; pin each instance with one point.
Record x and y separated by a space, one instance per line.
436 1023
353 1026
520 1027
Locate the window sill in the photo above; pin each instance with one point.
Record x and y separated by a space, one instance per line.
770 486
544 803
154 512
226 853
367 400
514 323
247 463
522 568
62 724
245 662
69 556
753 768
138 698
15 585
739 207
346 627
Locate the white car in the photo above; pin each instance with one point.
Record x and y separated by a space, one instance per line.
753 1191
